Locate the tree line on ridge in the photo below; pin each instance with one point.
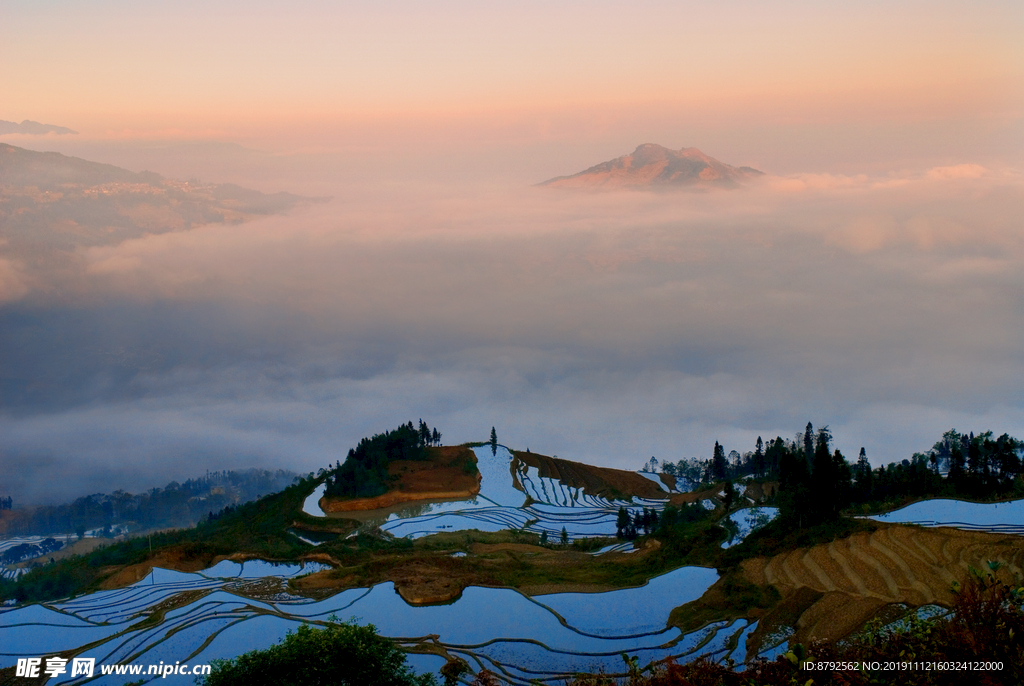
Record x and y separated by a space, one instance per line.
816 483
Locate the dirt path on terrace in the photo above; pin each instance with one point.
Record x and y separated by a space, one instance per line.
832 589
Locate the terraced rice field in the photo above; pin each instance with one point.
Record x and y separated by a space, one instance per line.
1006 517
231 608
514 495
827 590
835 588
5 545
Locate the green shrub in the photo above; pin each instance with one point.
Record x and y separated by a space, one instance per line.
339 654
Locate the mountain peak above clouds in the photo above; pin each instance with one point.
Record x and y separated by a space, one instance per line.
655 166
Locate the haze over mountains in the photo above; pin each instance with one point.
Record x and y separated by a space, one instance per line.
655 166
32 128
50 202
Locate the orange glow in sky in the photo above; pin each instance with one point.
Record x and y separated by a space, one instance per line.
234 69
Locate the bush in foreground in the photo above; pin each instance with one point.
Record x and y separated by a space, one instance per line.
339 654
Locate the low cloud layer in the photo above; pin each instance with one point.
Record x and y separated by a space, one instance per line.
605 328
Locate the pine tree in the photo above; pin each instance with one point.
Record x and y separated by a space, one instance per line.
863 478
823 480
842 475
621 523
956 465
494 441
794 486
1006 458
565 536
773 456
975 462
718 463
809 443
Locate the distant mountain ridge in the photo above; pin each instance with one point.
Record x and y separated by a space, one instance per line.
52 170
655 166
51 203
32 127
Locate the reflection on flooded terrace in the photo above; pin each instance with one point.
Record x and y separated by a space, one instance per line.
207 615
1004 517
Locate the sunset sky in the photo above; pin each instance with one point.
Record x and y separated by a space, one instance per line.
872 282
939 79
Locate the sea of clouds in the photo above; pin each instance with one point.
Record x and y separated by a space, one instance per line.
602 327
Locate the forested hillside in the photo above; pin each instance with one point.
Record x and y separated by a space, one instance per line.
816 483
174 505
364 474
